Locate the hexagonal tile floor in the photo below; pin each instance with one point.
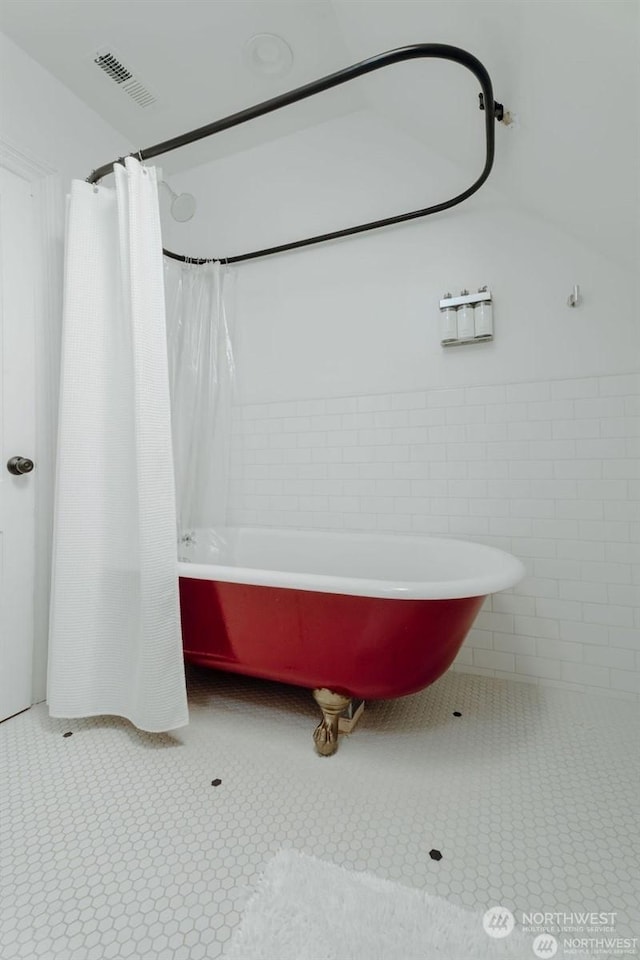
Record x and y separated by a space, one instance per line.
118 844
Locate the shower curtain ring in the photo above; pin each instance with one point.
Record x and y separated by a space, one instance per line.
140 158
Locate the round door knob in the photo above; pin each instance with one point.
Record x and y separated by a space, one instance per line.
20 465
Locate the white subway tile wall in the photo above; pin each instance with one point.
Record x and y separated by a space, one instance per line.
547 470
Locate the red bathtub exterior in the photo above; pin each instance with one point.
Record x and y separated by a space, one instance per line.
368 647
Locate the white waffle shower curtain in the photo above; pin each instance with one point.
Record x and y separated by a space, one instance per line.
115 645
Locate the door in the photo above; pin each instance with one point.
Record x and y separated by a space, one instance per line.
17 442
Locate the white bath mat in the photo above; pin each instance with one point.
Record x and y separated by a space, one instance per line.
306 909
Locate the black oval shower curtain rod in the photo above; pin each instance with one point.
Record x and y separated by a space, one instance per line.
493 111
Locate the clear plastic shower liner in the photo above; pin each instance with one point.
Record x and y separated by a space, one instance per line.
201 381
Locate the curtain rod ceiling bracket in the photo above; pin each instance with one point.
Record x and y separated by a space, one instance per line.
498 108
442 51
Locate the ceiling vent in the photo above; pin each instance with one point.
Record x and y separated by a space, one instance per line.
115 69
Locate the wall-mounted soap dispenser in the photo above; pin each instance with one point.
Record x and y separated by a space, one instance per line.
483 318
466 323
448 322
467 318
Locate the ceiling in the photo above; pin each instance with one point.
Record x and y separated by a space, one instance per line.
568 69
191 55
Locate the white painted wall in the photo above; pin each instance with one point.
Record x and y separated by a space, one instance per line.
361 315
46 127
358 319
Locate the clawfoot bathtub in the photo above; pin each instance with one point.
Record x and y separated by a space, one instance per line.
346 615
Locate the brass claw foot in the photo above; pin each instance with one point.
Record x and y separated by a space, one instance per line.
325 736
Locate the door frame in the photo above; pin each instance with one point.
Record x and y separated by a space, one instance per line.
47 262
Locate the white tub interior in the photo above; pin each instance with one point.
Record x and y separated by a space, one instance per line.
375 565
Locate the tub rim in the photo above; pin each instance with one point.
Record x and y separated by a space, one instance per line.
508 570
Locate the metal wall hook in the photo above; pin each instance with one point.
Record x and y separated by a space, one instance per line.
574 298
